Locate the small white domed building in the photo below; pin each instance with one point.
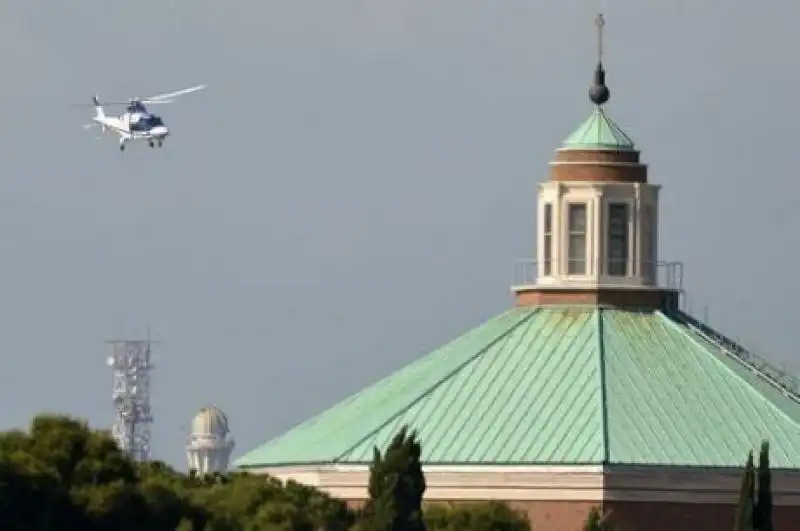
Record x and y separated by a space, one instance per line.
210 442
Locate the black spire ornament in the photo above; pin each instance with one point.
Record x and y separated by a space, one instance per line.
599 92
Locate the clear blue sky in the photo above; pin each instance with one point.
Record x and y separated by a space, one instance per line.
352 189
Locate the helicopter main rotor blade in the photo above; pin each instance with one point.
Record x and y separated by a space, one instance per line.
170 95
102 103
153 100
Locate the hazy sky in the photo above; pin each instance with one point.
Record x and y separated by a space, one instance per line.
354 186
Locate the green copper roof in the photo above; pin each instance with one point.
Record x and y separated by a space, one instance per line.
598 132
562 386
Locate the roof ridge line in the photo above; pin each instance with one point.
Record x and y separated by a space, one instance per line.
436 384
744 356
601 351
619 133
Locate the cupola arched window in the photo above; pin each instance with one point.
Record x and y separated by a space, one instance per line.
547 236
618 238
576 241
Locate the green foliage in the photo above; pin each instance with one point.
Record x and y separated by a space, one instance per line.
754 513
597 521
762 516
396 487
593 521
746 507
489 516
62 475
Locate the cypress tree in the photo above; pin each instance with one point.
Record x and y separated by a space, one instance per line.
746 508
396 487
763 510
597 521
592 522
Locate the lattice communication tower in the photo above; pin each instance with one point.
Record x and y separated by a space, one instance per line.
133 417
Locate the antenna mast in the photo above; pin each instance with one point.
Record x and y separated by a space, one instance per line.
131 364
599 92
600 22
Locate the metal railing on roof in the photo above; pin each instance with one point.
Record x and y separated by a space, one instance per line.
788 384
662 274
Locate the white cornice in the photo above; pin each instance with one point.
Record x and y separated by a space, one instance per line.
553 483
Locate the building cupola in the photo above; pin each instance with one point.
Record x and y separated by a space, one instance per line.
597 236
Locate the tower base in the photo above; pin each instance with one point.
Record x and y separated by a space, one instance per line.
639 298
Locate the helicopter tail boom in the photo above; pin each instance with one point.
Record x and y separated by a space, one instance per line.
97 107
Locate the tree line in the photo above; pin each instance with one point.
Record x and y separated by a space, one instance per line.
62 475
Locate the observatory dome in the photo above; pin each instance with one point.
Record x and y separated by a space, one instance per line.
210 421
210 442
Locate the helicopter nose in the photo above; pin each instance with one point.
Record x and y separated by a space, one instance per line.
159 131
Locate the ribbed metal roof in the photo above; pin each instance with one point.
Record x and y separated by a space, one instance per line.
561 386
598 132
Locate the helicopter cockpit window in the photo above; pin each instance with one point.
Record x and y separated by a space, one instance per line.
136 106
146 122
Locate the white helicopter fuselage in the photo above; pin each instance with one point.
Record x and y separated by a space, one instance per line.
122 126
132 126
137 123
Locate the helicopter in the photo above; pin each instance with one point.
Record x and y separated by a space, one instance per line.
137 123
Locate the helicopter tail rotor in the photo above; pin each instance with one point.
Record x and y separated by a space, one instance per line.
98 107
